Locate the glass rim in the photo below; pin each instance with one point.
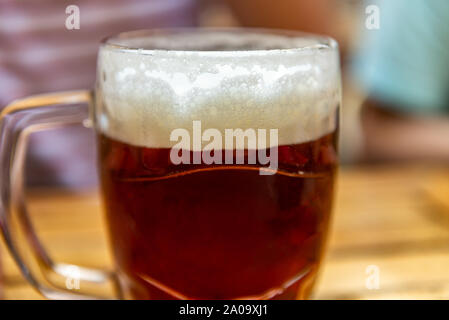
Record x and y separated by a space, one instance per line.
321 42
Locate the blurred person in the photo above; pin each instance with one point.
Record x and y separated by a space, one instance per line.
39 54
319 16
404 69
335 18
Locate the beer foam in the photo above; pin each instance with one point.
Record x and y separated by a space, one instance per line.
144 94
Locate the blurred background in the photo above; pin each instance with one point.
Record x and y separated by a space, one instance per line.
393 194
394 58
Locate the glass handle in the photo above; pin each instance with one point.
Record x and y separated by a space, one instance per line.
17 121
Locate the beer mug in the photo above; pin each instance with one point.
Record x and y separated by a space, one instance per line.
217 152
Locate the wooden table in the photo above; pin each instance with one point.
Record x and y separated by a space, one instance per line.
390 221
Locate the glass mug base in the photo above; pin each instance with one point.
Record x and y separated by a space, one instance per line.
146 289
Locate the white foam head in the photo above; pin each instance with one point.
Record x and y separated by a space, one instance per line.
149 86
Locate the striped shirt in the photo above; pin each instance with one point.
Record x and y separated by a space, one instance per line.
39 54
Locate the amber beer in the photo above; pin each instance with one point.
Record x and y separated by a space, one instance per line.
221 230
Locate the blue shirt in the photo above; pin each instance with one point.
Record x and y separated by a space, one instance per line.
405 63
